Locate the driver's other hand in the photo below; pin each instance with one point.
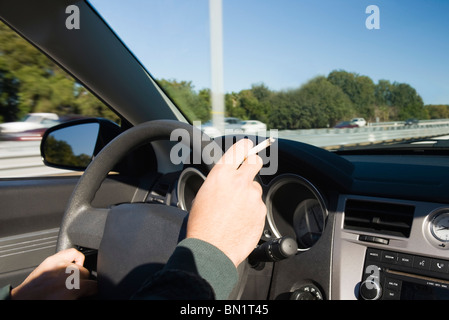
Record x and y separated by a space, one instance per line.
56 279
228 210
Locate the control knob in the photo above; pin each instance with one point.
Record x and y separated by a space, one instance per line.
307 292
273 250
370 290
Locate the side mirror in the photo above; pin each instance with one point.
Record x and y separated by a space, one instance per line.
73 145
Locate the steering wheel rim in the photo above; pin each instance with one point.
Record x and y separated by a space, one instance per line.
88 227
92 178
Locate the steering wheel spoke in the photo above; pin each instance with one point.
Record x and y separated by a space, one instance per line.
86 229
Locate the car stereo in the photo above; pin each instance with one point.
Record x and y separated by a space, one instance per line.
390 275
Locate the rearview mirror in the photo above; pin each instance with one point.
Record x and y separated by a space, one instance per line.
73 145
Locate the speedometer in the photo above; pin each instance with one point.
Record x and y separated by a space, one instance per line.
295 208
308 222
439 227
189 183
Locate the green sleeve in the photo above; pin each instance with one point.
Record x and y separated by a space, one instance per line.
206 260
196 270
5 293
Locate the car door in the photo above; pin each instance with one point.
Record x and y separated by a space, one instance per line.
30 215
33 197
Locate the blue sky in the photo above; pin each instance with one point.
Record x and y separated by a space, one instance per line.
285 43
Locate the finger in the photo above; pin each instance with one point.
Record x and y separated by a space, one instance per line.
79 259
84 273
258 187
251 166
72 255
235 155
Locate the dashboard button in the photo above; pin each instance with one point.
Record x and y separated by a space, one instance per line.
391 295
390 257
405 260
421 263
373 254
439 265
393 284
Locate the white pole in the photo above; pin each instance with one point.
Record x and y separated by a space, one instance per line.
216 51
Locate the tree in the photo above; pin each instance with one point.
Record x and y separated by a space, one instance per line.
327 103
408 102
383 93
359 89
254 103
9 99
60 152
31 82
383 101
440 111
316 104
286 112
232 106
87 104
196 106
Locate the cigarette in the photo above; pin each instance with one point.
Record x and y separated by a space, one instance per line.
263 145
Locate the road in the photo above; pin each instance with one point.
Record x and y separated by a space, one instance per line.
23 159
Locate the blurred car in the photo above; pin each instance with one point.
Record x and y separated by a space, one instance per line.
360 122
230 123
31 121
411 122
33 126
27 135
233 123
210 130
346 124
254 127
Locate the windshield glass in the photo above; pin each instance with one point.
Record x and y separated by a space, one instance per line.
331 73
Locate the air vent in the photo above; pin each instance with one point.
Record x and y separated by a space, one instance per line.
379 217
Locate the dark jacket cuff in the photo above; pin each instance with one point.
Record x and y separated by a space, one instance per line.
196 270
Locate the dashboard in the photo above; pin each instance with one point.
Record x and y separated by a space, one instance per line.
366 226
398 208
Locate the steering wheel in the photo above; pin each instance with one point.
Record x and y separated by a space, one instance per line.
134 240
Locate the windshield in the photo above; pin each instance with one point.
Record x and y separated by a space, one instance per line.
331 73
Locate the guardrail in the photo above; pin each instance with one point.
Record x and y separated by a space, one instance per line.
335 138
22 158
402 123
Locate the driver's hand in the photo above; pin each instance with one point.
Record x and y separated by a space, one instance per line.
50 280
228 210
